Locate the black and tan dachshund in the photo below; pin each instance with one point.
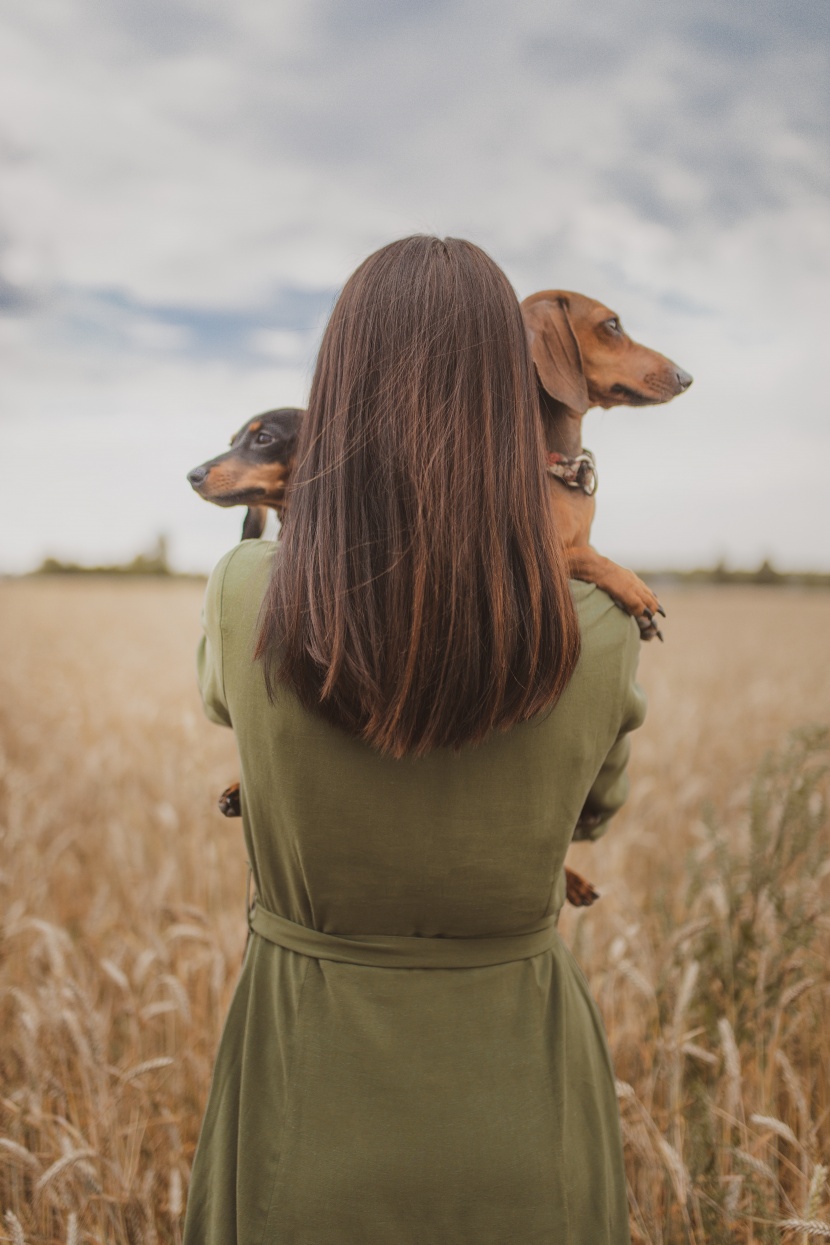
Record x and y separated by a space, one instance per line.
256 469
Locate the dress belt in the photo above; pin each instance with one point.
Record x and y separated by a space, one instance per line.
404 951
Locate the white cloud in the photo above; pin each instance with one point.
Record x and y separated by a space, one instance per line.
148 334
170 171
281 344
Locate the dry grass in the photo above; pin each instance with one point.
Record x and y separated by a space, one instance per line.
122 891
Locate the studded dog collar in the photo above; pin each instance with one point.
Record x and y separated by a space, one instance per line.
579 472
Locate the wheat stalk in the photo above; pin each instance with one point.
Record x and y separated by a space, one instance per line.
124 935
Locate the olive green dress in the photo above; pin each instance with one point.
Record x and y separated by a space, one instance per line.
412 1056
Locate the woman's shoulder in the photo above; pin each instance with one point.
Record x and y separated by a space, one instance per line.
610 636
238 580
600 616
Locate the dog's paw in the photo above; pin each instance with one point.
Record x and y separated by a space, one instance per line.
230 801
637 599
648 627
579 892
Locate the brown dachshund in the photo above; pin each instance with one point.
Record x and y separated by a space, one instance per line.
584 358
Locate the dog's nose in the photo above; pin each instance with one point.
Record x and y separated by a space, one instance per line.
197 476
683 379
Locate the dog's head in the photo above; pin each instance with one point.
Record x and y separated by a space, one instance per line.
585 358
256 470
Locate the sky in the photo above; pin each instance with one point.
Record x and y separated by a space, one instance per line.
185 187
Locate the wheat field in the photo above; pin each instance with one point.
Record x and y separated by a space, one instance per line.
122 896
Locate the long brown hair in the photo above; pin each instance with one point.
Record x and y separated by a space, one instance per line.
420 598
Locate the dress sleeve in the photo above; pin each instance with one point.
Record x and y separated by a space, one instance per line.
209 654
610 787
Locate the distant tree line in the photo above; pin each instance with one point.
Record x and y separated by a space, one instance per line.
156 562
765 574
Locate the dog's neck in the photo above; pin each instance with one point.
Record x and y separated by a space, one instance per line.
562 426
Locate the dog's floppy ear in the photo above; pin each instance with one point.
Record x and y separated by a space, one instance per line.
556 352
254 523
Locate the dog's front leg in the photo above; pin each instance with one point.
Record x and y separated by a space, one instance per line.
622 585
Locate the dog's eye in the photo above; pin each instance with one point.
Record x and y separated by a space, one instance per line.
614 324
263 438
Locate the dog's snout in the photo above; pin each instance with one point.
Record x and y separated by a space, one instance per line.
197 476
683 379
